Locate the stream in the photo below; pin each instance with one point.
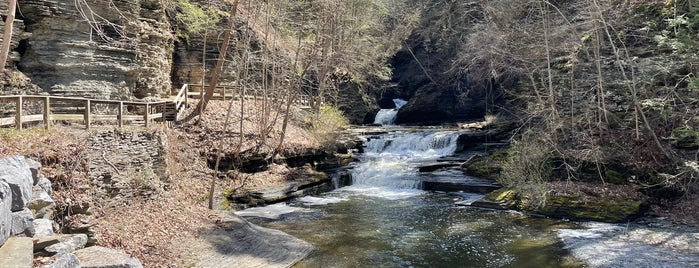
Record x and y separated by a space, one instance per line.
385 219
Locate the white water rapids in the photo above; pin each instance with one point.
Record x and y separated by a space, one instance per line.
387 167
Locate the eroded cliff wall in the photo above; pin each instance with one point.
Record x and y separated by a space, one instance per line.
103 49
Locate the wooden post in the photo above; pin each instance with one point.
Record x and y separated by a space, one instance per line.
186 95
223 94
145 116
87 114
18 111
120 116
47 112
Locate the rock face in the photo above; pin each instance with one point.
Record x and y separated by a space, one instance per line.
425 76
356 104
124 51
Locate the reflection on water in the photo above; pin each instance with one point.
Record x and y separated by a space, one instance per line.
422 231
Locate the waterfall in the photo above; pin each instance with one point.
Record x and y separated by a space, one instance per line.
388 116
388 160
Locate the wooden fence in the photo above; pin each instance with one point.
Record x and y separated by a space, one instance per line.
81 110
228 92
55 108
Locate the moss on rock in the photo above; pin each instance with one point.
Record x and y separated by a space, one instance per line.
573 206
684 138
488 167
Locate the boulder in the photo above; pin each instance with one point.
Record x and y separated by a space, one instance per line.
105 257
35 169
5 213
41 243
65 260
68 243
42 205
43 227
45 184
22 223
15 172
16 253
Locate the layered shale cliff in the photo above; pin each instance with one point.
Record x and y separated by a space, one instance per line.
102 49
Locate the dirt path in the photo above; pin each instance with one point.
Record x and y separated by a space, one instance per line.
238 243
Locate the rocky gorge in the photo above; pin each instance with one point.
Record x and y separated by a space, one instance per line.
579 111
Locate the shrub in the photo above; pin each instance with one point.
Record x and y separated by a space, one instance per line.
527 168
326 124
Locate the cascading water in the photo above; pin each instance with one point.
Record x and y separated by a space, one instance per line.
388 116
384 220
386 168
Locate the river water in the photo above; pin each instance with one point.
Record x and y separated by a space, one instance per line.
384 219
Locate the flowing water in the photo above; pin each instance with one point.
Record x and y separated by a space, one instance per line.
384 220
388 116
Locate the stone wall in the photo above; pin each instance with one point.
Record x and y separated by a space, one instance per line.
64 54
128 163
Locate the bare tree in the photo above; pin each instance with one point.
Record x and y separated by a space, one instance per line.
7 34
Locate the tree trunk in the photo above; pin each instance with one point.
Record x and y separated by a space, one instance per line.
213 82
7 35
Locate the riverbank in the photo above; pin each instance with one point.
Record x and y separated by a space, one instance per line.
145 191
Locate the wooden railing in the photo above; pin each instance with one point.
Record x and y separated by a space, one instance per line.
57 108
81 109
228 92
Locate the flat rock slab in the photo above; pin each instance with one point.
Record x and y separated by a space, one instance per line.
17 253
94 257
239 243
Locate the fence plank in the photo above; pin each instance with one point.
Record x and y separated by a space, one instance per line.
32 118
7 121
68 117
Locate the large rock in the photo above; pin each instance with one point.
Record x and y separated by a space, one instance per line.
16 173
35 169
16 253
68 243
65 260
5 212
43 227
433 104
23 223
42 205
41 243
94 257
